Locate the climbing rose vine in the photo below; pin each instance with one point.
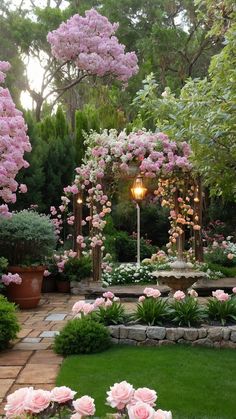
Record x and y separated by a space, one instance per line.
13 144
110 154
89 42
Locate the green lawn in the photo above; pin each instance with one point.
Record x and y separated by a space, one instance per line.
191 382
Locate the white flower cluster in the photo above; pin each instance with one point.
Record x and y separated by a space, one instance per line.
128 273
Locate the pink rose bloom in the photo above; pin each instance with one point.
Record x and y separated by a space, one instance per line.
108 303
15 405
230 256
87 308
145 395
193 293
77 307
120 395
234 290
37 401
223 296
22 188
98 302
162 414
62 394
108 294
179 295
46 273
142 298
84 406
141 410
217 292
152 292
76 416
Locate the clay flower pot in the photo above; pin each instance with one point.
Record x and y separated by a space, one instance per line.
28 293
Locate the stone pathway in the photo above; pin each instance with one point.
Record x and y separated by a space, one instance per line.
31 361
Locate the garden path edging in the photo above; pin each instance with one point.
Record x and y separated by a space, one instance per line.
210 336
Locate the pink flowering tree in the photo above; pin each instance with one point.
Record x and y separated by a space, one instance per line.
14 142
89 45
110 155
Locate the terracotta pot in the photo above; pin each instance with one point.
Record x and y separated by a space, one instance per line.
63 286
28 293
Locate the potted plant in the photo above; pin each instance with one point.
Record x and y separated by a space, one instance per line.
26 239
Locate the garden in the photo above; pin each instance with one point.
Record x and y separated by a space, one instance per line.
117 178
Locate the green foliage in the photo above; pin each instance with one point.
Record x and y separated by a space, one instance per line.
187 312
222 311
218 256
114 314
76 269
27 238
3 270
126 247
82 336
228 272
152 311
9 326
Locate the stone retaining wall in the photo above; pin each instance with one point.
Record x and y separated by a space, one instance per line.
211 336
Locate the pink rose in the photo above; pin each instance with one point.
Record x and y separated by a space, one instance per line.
230 256
145 395
223 296
46 273
179 295
217 292
108 294
37 401
142 298
15 405
152 292
99 302
62 394
141 410
77 307
193 293
108 303
234 290
120 395
87 308
84 406
162 414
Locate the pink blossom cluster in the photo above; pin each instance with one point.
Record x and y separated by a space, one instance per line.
13 144
83 308
149 292
179 295
112 153
139 404
220 295
11 279
89 42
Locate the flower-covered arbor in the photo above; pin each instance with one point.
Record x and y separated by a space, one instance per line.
109 156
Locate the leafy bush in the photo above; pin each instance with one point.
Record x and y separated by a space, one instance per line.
218 256
187 312
76 269
26 238
113 314
152 311
129 274
84 336
126 247
9 326
222 311
3 270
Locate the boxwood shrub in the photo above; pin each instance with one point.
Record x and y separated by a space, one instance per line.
9 326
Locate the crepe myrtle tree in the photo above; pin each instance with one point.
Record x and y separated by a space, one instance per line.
14 142
86 46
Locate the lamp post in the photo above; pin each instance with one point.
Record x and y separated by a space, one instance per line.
138 192
77 204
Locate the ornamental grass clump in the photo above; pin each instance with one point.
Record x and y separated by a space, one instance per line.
186 310
222 307
152 309
82 336
9 326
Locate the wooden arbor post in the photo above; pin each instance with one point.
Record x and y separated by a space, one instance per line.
180 238
77 210
197 214
97 263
